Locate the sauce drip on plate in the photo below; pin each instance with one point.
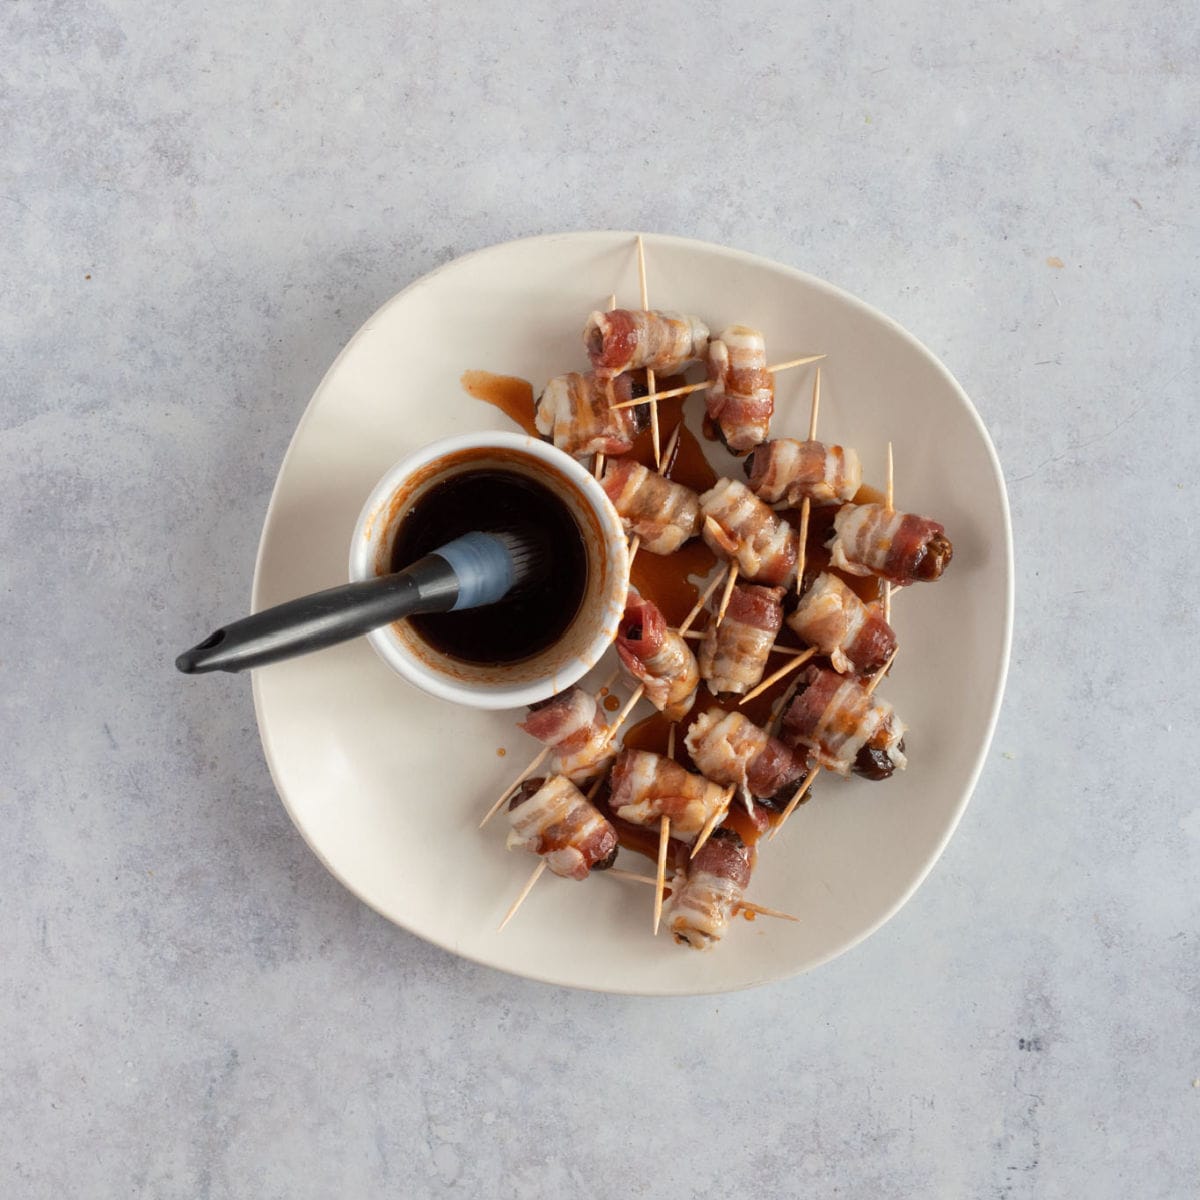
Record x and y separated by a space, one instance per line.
511 395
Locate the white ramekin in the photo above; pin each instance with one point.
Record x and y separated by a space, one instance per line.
506 685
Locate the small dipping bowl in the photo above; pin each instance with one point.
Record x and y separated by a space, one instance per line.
557 666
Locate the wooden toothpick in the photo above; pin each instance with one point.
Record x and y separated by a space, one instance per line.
516 783
652 398
730 580
796 362
664 837
816 407
653 418
688 388
802 543
795 800
512 912
719 814
801 657
669 452
664 834
686 623
877 678
638 692
685 390
763 911
632 876
806 503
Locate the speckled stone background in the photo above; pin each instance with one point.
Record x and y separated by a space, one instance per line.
200 203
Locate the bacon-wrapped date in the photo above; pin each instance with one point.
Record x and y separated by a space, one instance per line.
730 749
789 471
839 623
552 818
706 892
573 724
733 655
657 657
740 398
647 787
845 726
739 526
624 339
664 514
576 413
871 539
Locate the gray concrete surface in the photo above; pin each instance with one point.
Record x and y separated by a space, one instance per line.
199 205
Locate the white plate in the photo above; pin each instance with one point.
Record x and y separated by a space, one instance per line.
387 785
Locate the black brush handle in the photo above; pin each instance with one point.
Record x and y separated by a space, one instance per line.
325 618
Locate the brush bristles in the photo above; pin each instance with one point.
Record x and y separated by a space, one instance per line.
529 553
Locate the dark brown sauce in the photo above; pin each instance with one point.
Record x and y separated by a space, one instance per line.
690 466
654 733
747 827
667 578
532 618
512 396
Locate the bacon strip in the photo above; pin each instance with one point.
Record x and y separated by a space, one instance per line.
623 339
870 539
733 655
831 617
729 748
575 412
788 470
702 901
741 393
647 787
664 514
573 723
657 658
845 726
762 543
552 818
